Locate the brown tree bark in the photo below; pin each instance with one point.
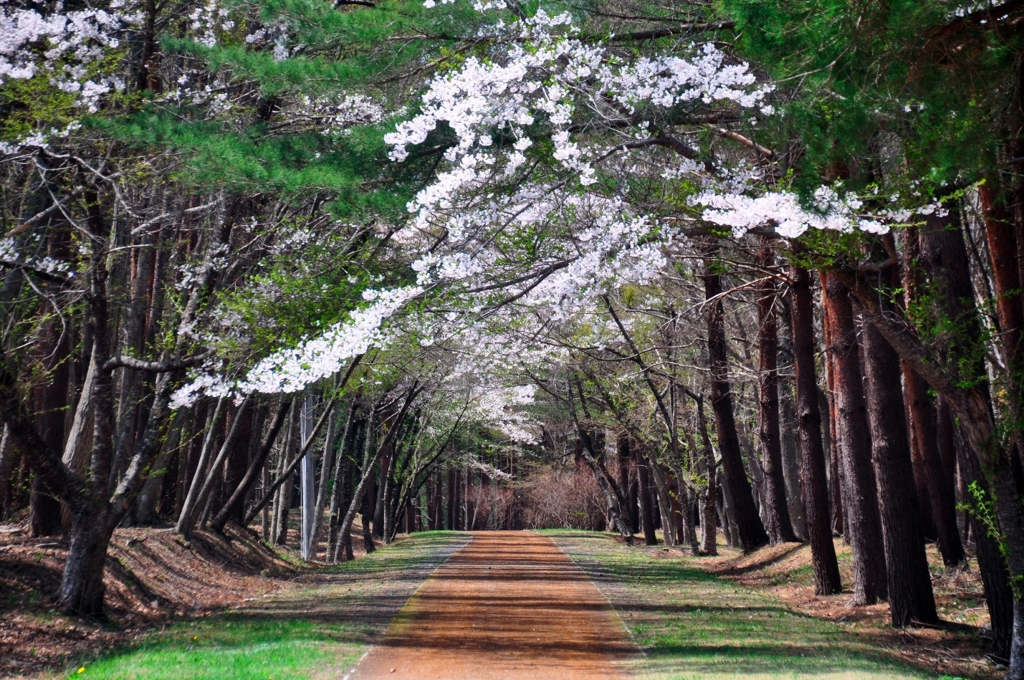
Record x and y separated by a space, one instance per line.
383 483
859 496
910 586
1003 247
831 404
778 523
752 534
51 398
953 368
815 485
788 423
924 426
996 580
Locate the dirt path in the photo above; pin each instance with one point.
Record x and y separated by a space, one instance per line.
508 605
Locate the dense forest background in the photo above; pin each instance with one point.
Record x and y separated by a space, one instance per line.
751 266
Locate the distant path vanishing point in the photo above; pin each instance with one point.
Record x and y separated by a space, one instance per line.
508 605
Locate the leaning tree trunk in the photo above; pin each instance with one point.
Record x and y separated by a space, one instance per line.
252 474
1003 246
778 523
924 424
611 495
748 522
812 453
944 259
910 584
854 444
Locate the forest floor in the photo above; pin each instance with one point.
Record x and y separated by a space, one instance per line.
218 609
757 616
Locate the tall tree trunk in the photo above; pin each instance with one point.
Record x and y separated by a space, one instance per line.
836 483
51 399
994 576
283 500
853 441
751 530
7 456
452 511
329 479
947 365
777 521
910 585
382 483
707 467
145 507
646 509
815 485
239 446
307 480
924 427
634 498
622 449
944 259
1003 247
791 462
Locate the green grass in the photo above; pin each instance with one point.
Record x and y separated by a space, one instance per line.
314 632
693 625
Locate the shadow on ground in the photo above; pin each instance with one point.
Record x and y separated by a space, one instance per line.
693 624
316 628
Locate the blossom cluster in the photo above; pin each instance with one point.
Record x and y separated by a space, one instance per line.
784 210
10 256
290 370
63 46
545 74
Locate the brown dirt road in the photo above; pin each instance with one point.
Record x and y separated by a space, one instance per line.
508 605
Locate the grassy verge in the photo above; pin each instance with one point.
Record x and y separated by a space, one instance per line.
692 624
316 629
